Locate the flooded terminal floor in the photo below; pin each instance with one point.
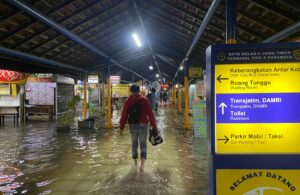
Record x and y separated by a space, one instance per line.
35 159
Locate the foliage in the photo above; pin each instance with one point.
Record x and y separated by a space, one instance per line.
67 117
94 111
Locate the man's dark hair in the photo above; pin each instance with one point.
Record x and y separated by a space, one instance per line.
134 89
153 90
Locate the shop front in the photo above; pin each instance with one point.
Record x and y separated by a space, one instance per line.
11 95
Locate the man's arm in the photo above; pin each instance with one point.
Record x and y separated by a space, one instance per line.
124 115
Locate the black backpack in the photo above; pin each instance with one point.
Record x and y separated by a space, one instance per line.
134 113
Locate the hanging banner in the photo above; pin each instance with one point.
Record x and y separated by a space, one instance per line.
41 78
121 90
115 80
93 79
8 76
164 86
139 83
13 90
5 89
195 72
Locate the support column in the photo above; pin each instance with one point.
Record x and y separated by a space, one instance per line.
179 98
174 93
103 99
186 103
109 124
230 21
22 106
84 98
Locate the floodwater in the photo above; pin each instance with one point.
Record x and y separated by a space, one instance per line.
35 159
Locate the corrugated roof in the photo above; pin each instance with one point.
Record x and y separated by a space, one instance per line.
108 24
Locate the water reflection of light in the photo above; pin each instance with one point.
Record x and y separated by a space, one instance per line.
101 160
9 163
25 151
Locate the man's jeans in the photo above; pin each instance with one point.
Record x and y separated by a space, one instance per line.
138 134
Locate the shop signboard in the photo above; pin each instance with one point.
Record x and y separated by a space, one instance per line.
8 76
164 86
5 89
253 94
41 78
65 80
115 80
93 79
195 72
120 90
139 83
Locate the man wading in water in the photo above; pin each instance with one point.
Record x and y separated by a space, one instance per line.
138 111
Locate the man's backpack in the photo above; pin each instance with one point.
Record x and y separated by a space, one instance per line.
134 113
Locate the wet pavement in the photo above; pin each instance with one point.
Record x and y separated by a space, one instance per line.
35 159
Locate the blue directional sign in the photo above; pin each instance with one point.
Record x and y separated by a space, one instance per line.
258 108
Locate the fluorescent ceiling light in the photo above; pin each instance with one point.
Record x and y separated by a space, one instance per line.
151 67
157 75
137 39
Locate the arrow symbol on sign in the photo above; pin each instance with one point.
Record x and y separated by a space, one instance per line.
220 79
226 139
222 105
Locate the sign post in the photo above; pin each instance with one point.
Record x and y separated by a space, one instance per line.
254 118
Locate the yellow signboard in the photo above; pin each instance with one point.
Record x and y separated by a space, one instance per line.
13 90
258 78
120 90
257 138
257 108
257 182
195 72
139 83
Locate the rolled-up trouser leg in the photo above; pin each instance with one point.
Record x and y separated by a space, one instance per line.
143 132
134 140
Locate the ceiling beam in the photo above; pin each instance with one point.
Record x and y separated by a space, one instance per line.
284 33
41 61
293 4
167 22
95 38
274 10
146 36
23 27
212 9
71 28
68 34
221 18
134 57
169 15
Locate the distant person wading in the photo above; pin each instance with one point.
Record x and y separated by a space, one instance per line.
137 110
